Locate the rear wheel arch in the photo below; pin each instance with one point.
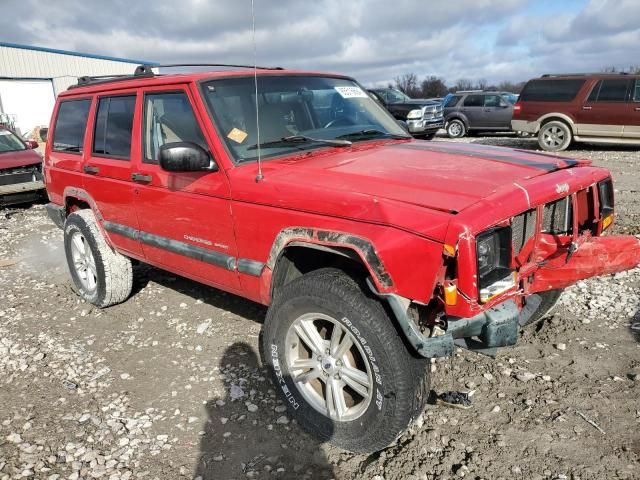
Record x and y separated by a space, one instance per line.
557 117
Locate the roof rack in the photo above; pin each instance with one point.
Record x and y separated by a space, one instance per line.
146 71
469 91
581 74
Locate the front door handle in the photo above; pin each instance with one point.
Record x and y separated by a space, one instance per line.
91 170
140 178
586 107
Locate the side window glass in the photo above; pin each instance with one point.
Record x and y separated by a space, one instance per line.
636 94
492 100
71 122
114 123
474 101
168 118
613 91
593 96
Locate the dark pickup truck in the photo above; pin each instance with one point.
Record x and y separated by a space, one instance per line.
423 117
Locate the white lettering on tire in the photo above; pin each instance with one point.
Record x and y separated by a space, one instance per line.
283 385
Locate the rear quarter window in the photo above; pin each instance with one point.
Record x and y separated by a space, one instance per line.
71 122
551 90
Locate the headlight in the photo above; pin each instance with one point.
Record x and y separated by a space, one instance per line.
414 114
493 254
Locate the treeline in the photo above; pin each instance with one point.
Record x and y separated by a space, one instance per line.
433 86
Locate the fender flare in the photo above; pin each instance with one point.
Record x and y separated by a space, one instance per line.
81 194
325 239
555 115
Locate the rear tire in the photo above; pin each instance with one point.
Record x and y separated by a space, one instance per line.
101 275
555 136
456 128
391 385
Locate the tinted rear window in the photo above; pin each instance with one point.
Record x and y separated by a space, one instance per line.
68 133
113 126
474 101
551 90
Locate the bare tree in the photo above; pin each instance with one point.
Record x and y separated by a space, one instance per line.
433 87
462 84
482 84
510 87
408 83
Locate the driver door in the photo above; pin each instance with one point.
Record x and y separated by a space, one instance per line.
184 217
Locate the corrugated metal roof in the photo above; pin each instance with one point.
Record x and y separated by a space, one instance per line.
75 54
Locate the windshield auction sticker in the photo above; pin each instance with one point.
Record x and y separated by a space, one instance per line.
351 92
237 135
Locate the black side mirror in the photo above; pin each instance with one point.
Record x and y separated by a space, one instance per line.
186 157
44 132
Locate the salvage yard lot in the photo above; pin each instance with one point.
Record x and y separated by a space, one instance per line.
170 384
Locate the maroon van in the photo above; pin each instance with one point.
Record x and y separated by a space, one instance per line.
594 108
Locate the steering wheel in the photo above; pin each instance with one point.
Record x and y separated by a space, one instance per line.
340 121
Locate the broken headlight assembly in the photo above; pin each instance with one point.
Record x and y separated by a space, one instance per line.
605 194
493 255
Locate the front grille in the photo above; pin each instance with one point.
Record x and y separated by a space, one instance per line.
557 217
12 176
523 229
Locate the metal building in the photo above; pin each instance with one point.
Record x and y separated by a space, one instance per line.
31 77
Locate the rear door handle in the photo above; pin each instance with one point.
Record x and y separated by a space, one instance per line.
90 169
140 178
586 107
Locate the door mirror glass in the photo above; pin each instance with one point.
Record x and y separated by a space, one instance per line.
32 144
185 157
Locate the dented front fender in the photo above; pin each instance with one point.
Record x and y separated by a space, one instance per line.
594 257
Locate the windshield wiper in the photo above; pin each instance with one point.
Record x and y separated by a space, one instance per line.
299 139
371 132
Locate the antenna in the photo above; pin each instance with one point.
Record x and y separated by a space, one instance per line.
259 177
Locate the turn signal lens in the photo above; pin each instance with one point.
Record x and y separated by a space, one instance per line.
450 294
607 221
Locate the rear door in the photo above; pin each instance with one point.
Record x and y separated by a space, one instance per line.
107 168
601 115
472 107
497 112
185 217
632 116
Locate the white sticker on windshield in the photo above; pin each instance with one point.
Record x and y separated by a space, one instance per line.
351 92
5 132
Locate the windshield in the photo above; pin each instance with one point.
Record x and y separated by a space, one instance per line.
9 142
396 96
316 108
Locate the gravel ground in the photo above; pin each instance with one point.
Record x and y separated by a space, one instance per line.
169 384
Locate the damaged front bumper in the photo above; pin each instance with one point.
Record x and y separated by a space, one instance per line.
496 327
499 326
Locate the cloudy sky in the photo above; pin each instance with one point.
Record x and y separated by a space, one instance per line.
373 40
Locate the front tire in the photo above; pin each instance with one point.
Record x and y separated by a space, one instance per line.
340 364
456 128
101 275
548 302
555 136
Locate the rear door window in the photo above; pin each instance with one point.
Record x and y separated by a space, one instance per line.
114 123
474 101
71 122
169 118
551 90
612 91
636 91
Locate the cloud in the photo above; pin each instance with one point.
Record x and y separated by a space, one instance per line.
373 40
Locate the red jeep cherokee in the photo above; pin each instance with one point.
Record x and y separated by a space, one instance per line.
374 251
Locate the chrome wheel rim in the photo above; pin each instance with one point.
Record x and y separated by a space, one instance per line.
329 367
455 129
83 262
553 136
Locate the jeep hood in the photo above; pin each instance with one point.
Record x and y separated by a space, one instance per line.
443 176
19 158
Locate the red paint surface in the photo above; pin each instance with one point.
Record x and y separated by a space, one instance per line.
22 158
